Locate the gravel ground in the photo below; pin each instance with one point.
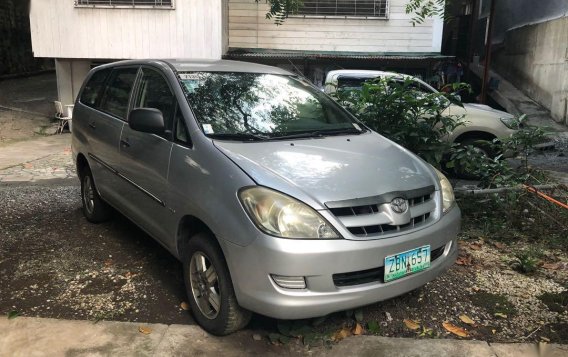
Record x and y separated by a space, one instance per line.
54 263
555 159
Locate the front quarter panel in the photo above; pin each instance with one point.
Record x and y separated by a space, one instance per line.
204 184
479 121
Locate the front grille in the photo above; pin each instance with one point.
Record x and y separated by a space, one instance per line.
369 219
372 275
386 228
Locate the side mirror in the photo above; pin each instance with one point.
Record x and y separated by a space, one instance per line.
147 120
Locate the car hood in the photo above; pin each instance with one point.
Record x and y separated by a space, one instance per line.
319 170
485 110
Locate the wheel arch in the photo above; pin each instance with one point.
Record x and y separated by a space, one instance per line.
80 164
475 135
188 227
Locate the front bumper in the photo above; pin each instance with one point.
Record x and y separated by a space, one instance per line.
317 261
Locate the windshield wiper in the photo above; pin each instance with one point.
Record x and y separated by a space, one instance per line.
319 133
239 136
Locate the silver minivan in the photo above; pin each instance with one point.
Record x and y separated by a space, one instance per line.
274 197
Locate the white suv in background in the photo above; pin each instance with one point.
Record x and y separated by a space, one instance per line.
481 122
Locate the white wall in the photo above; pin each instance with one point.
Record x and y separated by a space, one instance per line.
248 28
193 29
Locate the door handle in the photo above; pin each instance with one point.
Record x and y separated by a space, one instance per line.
124 143
92 125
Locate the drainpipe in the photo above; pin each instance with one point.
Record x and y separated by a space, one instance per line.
472 32
485 81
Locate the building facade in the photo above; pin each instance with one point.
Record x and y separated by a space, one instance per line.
324 35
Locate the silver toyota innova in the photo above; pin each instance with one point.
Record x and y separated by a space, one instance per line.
276 199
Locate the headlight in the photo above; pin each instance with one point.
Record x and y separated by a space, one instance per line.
510 122
282 216
448 198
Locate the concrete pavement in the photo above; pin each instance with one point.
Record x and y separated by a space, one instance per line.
37 159
26 336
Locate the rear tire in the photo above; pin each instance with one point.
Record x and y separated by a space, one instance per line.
210 289
94 208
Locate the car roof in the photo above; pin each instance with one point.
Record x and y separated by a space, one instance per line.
224 66
206 65
363 73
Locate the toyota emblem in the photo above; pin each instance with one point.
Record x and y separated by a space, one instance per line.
399 205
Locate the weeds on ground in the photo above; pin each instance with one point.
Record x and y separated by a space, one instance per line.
526 260
557 302
493 303
513 216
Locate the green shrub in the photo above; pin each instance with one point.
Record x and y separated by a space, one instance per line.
417 119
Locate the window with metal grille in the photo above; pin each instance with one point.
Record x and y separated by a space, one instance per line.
126 3
344 8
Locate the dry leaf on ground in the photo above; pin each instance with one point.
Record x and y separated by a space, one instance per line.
464 260
358 329
499 245
475 246
341 334
411 324
454 329
184 306
467 320
145 330
501 315
555 266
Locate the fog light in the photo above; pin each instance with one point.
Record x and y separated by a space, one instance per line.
289 282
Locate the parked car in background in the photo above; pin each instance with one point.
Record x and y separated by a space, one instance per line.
481 122
274 197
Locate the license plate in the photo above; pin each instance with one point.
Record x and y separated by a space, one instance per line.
406 263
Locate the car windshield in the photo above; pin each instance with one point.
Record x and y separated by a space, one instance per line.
259 106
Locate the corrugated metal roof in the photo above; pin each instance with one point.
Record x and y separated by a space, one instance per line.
238 53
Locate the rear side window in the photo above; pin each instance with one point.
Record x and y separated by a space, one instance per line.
117 93
94 88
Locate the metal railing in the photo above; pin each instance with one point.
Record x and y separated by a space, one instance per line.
344 8
127 3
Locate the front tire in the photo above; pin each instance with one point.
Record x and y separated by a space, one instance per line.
482 146
210 289
94 208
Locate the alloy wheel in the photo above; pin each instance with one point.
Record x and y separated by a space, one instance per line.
205 285
88 194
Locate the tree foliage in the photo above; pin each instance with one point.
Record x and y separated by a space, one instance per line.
419 121
424 9
406 114
280 9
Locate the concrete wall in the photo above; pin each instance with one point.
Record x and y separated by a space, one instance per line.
535 59
516 13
